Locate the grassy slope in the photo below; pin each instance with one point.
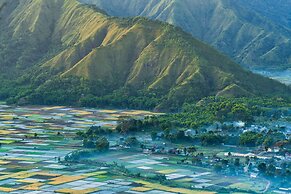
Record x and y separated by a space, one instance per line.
234 28
129 52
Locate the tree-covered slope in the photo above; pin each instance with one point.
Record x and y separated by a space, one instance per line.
63 52
255 33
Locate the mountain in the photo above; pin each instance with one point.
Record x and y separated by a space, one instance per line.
277 11
63 52
254 33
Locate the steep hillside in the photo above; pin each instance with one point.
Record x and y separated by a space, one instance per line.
70 53
255 33
278 11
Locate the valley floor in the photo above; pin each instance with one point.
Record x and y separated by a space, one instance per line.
282 76
34 141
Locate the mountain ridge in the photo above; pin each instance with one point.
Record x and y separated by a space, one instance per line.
112 54
237 29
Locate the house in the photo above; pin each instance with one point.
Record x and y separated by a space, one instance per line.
239 124
254 175
190 133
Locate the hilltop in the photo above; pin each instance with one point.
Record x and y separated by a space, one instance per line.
63 52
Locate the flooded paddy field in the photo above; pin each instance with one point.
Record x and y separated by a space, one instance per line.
35 140
188 176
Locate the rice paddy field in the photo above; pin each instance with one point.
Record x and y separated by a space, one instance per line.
35 139
183 175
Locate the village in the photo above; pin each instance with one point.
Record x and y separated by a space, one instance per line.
36 143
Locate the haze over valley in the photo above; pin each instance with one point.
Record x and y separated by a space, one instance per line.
145 96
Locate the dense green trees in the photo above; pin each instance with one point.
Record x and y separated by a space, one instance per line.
65 91
102 144
210 110
42 87
267 169
251 139
124 97
211 139
129 125
93 139
72 91
88 143
206 112
191 150
93 132
132 141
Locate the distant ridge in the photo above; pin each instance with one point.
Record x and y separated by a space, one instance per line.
254 33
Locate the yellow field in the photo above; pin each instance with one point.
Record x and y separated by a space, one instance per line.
23 175
72 191
108 111
53 107
6 117
168 171
4 189
65 179
5 132
95 173
32 187
141 189
4 162
170 189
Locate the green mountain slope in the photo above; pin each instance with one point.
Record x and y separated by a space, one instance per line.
60 51
255 34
